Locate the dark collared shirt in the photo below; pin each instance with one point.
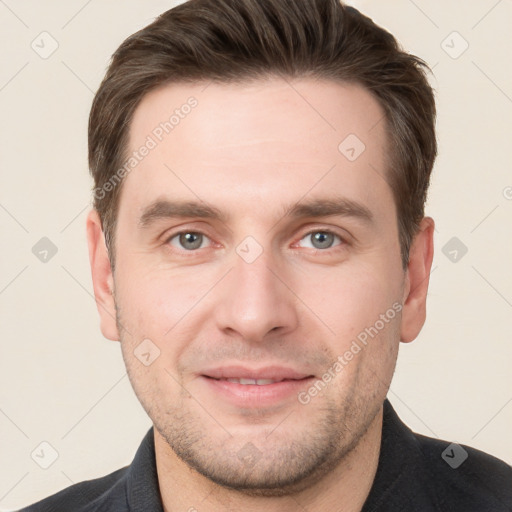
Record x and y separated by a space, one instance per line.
415 473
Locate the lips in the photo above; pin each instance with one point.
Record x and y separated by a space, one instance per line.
255 376
242 387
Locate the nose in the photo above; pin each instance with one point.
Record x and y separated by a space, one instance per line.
256 300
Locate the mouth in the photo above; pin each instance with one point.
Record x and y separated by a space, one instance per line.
243 387
244 375
253 382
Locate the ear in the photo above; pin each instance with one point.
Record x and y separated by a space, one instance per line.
417 278
102 278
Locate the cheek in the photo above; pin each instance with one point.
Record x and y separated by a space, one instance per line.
153 302
349 299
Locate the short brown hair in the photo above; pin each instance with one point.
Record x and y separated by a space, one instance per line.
240 40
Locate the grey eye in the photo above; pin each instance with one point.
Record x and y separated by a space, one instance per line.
188 240
321 239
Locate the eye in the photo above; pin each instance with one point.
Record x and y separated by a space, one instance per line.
188 240
321 239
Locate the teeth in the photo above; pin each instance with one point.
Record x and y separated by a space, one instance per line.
258 382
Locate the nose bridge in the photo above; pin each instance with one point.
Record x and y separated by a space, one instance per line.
254 278
255 300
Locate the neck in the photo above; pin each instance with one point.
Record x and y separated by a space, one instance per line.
345 488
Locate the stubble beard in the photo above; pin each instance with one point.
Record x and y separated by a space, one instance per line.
280 466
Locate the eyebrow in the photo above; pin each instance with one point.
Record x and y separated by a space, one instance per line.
338 206
165 209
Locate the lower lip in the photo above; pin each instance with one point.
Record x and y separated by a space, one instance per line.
253 395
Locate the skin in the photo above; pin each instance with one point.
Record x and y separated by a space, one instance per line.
252 150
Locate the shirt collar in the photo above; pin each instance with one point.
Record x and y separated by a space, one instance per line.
399 482
143 492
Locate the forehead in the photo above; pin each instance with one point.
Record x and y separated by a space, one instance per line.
271 140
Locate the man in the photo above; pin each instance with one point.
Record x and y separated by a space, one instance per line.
258 246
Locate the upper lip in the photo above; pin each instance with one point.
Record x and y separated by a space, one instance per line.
242 372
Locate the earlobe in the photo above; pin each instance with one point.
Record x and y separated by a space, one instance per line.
102 278
417 280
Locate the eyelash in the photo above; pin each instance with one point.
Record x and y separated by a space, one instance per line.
192 252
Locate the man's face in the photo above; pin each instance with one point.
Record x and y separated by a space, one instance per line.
263 291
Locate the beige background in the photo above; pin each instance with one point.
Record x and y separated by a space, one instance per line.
63 383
